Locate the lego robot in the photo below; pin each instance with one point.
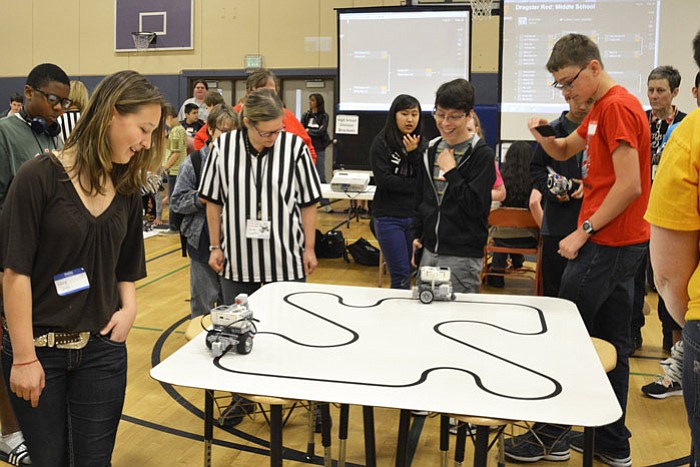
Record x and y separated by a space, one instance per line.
233 328
433 283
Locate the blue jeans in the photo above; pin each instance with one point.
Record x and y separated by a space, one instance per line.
321 169
76 421
600 281
691 381
205 288
396 242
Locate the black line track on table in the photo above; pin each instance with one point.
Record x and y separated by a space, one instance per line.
424 375
289 454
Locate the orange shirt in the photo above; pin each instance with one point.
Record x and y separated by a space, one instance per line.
616 117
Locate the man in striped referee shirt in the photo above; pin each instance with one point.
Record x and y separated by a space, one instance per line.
261 189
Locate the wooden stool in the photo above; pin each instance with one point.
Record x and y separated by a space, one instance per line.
481 442
198 325
276 445
608 358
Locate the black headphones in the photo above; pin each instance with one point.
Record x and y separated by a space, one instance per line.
38 125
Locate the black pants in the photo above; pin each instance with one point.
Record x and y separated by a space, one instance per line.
553 265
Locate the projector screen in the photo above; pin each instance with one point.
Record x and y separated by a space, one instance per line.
384 53
626 31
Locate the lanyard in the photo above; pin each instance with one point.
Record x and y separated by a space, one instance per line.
256 175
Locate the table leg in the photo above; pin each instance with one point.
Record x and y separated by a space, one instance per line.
460 445
588 445
481 447
208 425
402 444
444 439
370 448
343 433
275 435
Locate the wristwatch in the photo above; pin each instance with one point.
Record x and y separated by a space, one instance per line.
214 247
588 227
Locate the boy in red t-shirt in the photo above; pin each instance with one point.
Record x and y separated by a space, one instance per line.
606 249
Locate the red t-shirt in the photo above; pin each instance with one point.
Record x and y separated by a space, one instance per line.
617 116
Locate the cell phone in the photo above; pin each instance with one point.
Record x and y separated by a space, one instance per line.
546 130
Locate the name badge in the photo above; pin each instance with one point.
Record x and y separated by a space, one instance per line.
592 127
71 282
257 229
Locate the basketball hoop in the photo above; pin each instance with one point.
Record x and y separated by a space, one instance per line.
481 9
143 39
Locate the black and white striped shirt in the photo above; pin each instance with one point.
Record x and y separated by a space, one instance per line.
280 182
68 121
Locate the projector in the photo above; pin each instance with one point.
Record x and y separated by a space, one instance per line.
350 181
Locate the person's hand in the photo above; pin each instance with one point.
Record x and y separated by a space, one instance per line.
446 160
417 245
119 324
28 381
216 260
578 194
411 142
310 261
570 245
533 123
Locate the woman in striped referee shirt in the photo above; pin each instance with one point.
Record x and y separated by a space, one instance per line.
261 189
79 96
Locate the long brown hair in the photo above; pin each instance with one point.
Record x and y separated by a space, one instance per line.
126 92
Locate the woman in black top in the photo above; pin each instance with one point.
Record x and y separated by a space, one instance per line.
393 155
315 121
71 247
518 183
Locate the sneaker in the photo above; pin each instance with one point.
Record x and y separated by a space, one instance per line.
419 413
530 448
666 363
662 388
576 443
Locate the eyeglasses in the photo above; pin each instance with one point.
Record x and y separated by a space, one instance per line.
53 99
570 84
267 134
450 118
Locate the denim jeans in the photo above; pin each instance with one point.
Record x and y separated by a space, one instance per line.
600 281
321 169
172 215
76 421
691 381
205 288
396 242
465 271
553 265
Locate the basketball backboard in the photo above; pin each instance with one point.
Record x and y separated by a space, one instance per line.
170 20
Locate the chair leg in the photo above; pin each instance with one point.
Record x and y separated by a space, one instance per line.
326 433
311 438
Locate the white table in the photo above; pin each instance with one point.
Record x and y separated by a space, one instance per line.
496 356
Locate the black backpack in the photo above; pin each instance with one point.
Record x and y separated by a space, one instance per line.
330 245
363 252
196 158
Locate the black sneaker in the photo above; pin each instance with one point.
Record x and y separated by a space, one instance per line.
662 388
616 460
530 448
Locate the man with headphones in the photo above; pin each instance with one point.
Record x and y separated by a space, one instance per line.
33 131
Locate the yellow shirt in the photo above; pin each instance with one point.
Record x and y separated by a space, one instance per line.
675 195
